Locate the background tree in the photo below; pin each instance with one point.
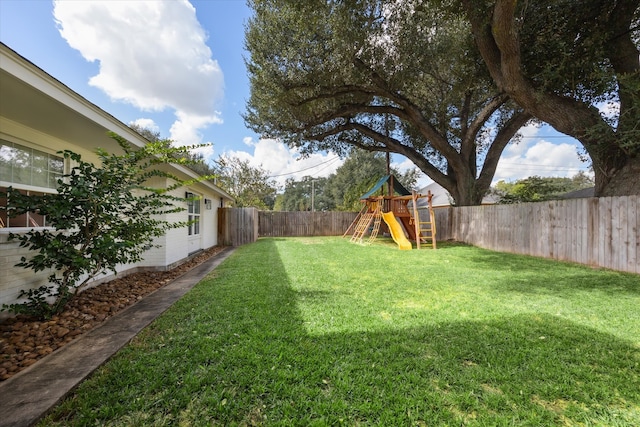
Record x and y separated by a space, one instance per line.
248 185
304 195
360 171
342 189
559 60
149 134
101 217
382 76
536 189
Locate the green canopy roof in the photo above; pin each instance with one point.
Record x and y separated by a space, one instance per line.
397 187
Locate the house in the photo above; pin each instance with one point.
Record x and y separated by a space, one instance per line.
442 198
40 116
579 194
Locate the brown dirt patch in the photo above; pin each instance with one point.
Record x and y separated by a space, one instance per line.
24 340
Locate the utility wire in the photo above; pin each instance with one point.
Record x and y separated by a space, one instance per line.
310 167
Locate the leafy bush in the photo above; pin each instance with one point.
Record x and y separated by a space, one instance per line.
100 217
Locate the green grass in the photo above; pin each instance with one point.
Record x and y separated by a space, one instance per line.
319 331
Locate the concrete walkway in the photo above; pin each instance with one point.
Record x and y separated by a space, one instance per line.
29 395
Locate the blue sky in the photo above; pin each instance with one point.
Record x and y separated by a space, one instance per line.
178 67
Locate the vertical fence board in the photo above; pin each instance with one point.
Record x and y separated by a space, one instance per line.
282 224
582 210
237 226
602 232
633 232
618 221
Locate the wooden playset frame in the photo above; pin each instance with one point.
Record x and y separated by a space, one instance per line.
405 221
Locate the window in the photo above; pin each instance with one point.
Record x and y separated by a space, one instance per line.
24 166
30 219
32 172
193 210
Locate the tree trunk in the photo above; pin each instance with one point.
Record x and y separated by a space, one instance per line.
625 182
496 36
463 187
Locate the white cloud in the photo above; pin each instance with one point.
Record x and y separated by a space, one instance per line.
519 148
206 151
405 164
185 130
283 162
146 124
152 55
541 158
181 134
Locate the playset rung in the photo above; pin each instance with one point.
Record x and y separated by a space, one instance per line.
370 216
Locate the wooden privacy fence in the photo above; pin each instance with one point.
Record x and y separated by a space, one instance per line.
603 232
281 224
237 226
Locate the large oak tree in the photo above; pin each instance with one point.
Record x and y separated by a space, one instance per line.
559 60
382 76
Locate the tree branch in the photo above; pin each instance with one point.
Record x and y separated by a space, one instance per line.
469 137
414 115
389 144
505 134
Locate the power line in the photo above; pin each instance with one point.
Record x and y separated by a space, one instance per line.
547 136
311 167
318 171
516 166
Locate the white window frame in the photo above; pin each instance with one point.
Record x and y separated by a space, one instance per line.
194 213
30 222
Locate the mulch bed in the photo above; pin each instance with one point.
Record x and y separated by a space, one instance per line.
24 340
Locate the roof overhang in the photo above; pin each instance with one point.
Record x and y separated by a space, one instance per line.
34 99
31 97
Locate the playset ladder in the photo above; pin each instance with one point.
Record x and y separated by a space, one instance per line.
376 225
362 226
364 222
425 230
357 219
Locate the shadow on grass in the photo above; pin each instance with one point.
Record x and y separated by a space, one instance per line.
534 275
237 351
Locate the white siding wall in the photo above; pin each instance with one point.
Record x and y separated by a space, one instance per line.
14 279
173 246
210 223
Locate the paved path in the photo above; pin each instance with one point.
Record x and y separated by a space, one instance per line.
29 395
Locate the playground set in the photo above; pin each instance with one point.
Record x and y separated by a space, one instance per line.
403 221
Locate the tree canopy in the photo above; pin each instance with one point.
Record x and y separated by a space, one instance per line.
308 194
248 185
382 76
562 59
360 171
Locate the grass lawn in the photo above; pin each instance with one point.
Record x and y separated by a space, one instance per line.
318 331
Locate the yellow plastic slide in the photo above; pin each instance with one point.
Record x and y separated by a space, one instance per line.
396 231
